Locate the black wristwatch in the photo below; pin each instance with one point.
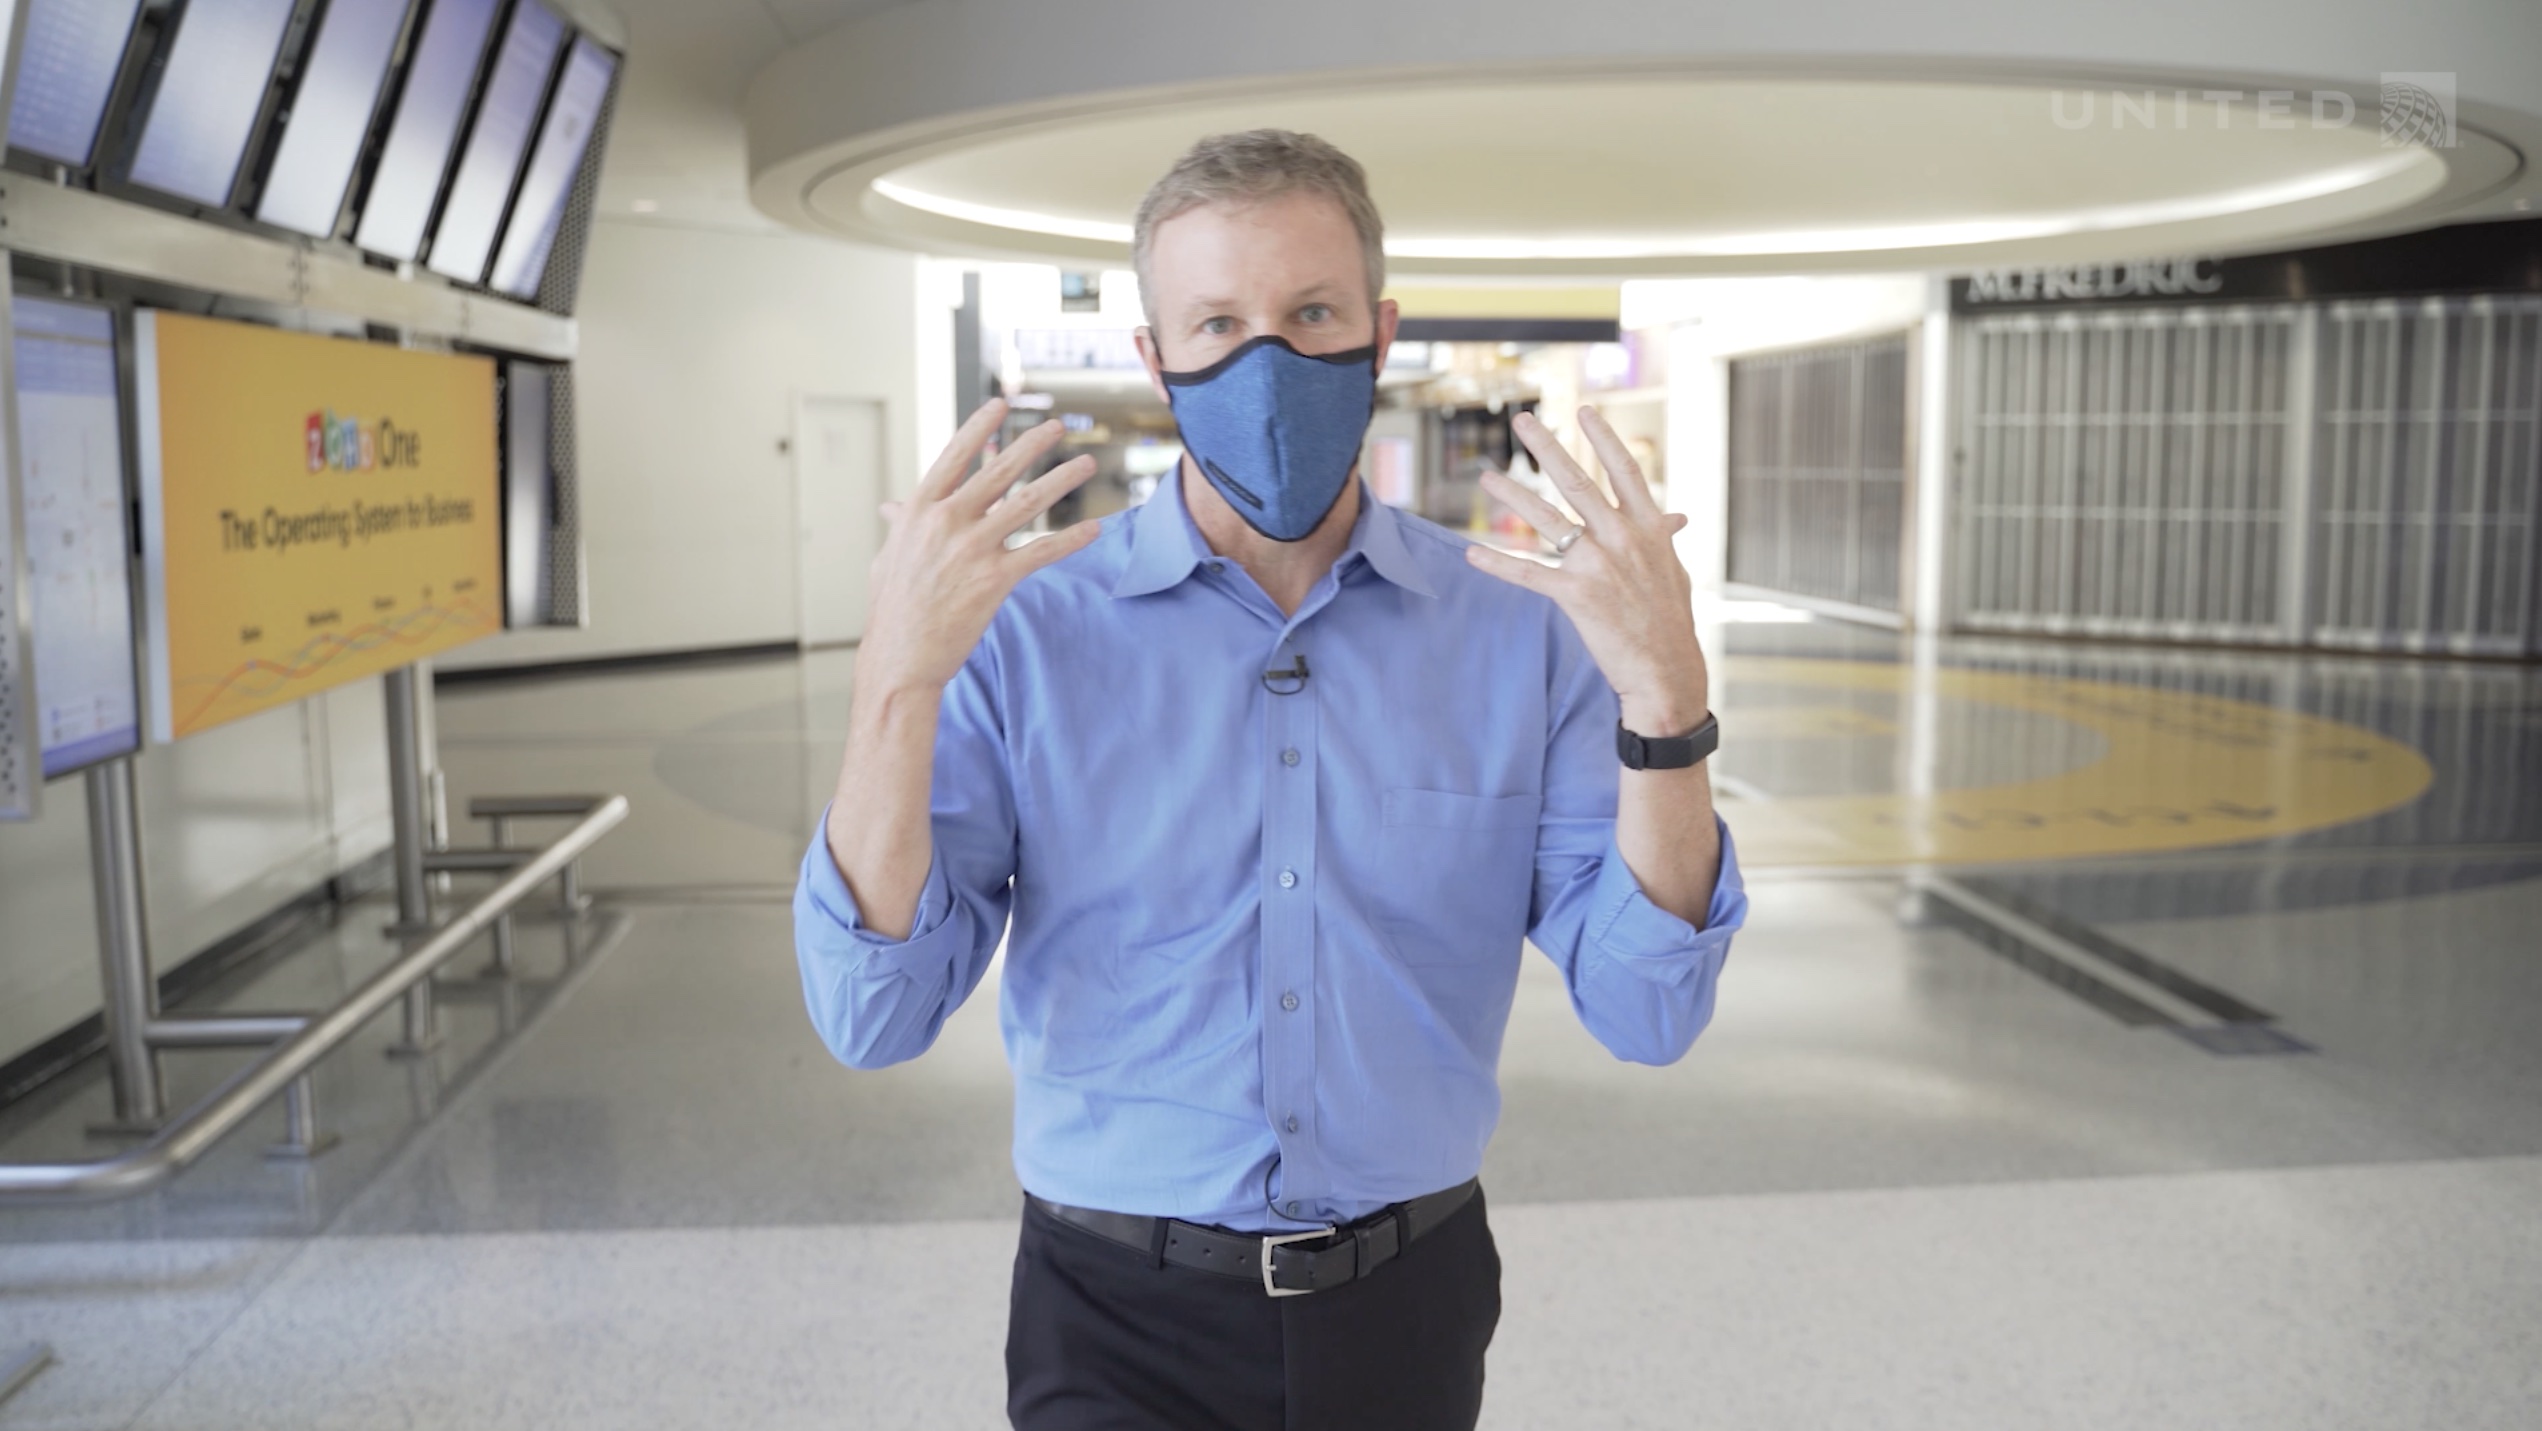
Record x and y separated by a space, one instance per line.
1667 752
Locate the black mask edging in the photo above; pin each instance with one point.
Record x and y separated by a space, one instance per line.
1364 354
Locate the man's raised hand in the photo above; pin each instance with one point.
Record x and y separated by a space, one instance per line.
1620 581
945 567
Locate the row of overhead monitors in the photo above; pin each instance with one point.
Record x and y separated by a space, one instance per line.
448 133
201 518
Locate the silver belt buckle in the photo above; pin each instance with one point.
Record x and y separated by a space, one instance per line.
1269 1242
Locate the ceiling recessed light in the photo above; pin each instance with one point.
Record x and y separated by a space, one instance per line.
1872 238
644 206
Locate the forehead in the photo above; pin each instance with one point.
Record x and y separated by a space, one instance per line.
1263 248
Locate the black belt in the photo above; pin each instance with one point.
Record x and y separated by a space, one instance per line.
1283 1266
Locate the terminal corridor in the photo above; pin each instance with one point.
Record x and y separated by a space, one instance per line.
1122 715
2270 1100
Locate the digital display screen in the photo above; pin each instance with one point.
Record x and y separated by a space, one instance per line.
440 67
209 94
529 495
78 533
506 111
563 138
66 72
330 115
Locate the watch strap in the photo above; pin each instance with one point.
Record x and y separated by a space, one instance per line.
1667 752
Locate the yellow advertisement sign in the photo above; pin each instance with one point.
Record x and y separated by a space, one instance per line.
314 510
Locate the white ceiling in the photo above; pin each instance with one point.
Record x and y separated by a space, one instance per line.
1585 169
676 140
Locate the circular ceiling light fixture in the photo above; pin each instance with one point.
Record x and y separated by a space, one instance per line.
1652 174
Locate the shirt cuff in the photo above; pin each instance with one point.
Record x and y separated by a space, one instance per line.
822 894
1628 928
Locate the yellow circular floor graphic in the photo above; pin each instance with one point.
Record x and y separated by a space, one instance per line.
2175 770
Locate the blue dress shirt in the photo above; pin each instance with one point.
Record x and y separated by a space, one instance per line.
1264 946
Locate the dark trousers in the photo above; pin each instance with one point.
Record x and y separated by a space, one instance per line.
1102 1338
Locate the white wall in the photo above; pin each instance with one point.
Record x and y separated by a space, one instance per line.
695 343
234 822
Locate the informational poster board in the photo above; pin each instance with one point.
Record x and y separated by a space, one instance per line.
314 510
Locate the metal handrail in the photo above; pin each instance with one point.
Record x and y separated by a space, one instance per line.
192 1133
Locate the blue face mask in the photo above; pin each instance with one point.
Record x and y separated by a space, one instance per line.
1277 431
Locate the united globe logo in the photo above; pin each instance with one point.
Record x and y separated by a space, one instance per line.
2418 111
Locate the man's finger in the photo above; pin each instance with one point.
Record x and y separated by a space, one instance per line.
1675 522
990 482
1516 570
1040 552
956 459
1028 501
1549 520
1596 512
1632 489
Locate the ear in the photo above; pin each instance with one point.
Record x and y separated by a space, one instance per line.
1389 317
1153 360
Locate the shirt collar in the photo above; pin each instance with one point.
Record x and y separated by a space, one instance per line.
1165 544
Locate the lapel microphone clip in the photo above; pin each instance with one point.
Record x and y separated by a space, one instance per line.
1273 680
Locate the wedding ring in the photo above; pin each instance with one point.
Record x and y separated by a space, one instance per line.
1563 543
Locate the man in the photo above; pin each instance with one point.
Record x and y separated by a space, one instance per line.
1272 779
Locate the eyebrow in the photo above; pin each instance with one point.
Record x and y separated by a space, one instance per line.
1326 288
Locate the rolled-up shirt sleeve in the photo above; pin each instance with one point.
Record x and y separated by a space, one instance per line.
1641 979
877 1001
1644 979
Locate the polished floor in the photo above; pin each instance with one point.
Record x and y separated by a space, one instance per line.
2121 1039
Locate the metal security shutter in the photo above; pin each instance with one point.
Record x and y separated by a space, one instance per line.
2125 473
2428 454
1818 471
2359 474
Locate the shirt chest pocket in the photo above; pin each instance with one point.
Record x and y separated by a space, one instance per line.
1459 871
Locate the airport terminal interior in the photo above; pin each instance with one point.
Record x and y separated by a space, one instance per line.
446 446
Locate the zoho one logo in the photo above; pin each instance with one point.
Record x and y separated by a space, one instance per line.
344 444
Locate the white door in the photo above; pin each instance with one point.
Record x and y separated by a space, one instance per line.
838 477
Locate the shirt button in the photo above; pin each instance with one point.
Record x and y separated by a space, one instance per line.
1293 1122
1289 1002
1289 756
1288 879
1293 1209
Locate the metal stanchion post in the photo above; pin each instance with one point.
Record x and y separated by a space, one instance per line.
123 950
301 1139
406 819
500 966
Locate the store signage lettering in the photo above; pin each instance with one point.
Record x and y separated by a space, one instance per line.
2087 283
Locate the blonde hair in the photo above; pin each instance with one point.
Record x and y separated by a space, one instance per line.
1251 166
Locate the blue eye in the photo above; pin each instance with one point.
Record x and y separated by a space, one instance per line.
1315 312
1218 327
